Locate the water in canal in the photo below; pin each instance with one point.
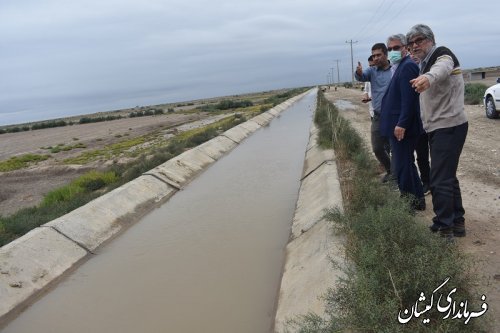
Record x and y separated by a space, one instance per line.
208 260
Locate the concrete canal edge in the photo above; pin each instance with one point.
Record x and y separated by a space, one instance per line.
308 271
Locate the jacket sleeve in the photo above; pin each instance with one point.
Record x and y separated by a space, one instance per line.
441 69
409 98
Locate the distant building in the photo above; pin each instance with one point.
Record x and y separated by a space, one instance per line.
481 73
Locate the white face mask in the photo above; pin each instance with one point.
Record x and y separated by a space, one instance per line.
394 56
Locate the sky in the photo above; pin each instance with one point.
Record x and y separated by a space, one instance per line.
61 58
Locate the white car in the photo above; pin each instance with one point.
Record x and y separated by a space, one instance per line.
492 100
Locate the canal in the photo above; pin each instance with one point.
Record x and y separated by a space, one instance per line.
208 260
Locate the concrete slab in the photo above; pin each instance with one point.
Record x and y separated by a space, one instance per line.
263 119
313 130
250 125
315 157
313 139
308 274
217 147
99 220
237 133
31 262
273 112
181 169
318 191
280 108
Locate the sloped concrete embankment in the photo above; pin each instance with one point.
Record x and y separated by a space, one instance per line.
30 264
308 271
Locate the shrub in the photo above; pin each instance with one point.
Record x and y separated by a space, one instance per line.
48 124
474 93
88 182
26 219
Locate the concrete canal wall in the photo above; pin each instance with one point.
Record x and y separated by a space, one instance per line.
308 270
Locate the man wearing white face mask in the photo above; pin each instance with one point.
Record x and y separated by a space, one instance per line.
400 120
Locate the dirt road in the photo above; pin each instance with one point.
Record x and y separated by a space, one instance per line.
479 176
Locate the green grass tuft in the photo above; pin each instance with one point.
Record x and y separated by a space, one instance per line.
22 161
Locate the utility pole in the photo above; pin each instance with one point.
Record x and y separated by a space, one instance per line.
338 76
352 60
333 76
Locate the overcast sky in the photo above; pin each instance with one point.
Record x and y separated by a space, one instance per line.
60 57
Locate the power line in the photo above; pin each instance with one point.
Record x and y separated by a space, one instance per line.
352 61
338 75
388 20
370 20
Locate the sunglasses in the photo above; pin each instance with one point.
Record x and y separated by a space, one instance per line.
395 48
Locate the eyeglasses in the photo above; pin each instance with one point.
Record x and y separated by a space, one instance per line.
395 48
417 41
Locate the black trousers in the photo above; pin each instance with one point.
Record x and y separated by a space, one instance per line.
422 151
446 146
404 166
380 145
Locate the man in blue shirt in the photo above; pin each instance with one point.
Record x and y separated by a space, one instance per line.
379 77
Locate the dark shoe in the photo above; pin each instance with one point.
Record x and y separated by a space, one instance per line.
445 232
427 188
418 204
437 227
459 228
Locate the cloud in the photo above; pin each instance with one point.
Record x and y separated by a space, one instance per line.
88 56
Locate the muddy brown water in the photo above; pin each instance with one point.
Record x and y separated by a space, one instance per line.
208 260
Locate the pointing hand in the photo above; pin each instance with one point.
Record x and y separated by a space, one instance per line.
359 69
420 84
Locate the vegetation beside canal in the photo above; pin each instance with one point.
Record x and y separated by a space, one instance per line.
392 257
93 184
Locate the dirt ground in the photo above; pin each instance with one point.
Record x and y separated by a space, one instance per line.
26 187
479 176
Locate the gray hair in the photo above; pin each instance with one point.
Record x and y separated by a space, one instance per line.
421 29
399 37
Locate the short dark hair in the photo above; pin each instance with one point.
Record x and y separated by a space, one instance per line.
370 58
380 46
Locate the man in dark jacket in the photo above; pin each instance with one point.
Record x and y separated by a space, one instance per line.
400 120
